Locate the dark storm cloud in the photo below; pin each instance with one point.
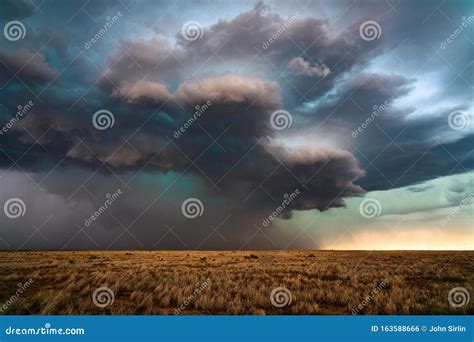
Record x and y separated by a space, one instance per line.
325 176
303 68
16 9
156 59
315 67
26 64
243 39
357 97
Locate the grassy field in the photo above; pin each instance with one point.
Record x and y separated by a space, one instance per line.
234 282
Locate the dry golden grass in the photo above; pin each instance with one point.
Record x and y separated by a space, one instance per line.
240 282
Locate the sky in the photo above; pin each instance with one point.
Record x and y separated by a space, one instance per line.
236 124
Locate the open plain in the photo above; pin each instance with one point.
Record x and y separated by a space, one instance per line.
236 282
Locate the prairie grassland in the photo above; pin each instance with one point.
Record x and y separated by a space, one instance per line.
236 282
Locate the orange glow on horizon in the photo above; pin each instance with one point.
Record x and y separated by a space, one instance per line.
419 239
